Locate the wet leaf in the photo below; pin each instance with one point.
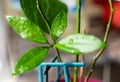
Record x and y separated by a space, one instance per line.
42 12
51 9
27 29
80 44
58 25
30 60
31 11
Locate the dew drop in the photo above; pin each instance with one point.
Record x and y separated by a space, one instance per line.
23 34
70 41
21 69
72 51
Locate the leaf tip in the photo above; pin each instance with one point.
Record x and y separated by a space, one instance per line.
14 73
7 17
18 71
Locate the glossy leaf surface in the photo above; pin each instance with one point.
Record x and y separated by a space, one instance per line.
30 60
33 12
58 25
79 44
52 8
42 12
27 29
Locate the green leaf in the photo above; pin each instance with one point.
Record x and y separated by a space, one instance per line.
27 29
42 12
30 60
59 25
30 9
51 9
79 44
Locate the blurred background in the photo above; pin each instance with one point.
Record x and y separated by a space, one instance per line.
94 17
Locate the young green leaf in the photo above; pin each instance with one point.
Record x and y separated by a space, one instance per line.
58 25
79 44
30 9
30 60
51 9
27 29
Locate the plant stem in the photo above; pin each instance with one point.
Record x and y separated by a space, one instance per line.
78 16
82 59
58 55
96 57
77 31
82 68
60 60
76 69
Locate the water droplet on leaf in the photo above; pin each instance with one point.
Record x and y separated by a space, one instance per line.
70 41
72 51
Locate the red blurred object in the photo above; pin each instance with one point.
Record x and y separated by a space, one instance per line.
106 7
78 80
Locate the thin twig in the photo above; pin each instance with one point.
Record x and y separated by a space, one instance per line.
82 59
95 58
82 68
58 55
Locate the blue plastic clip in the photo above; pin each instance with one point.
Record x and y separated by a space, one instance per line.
65 66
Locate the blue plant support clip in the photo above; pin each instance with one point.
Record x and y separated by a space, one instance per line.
65 66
